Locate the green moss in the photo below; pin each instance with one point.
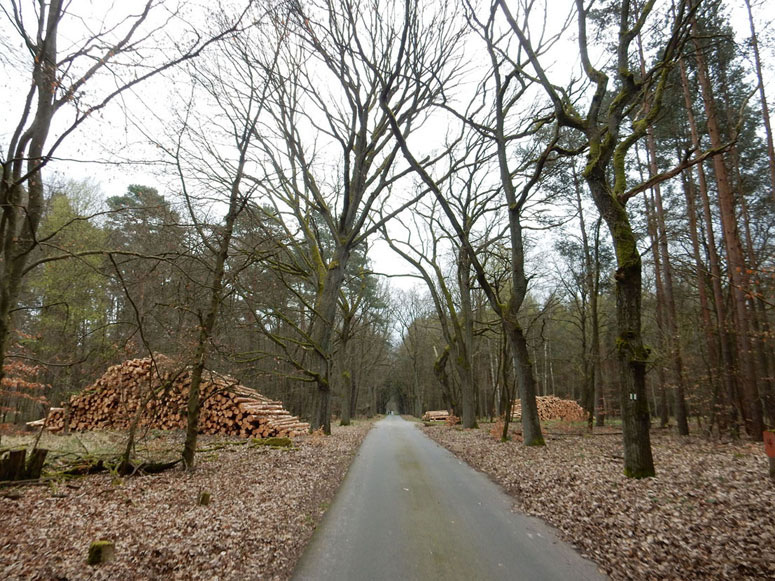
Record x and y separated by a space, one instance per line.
624 242
101 552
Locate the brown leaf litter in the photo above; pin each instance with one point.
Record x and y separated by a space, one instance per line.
265 504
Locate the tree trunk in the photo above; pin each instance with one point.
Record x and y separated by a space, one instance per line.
589 302
631 354
661 403
464 359
531 426
347 386
322 333
347 378
440 371
206 326
737 270
594 312
728 360
763 98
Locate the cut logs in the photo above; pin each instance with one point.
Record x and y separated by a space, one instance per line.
551 407
160 393
435 416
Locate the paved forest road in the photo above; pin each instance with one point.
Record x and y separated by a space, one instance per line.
408 509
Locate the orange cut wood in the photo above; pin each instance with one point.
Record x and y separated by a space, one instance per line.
769 443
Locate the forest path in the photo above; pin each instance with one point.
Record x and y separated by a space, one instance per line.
408 509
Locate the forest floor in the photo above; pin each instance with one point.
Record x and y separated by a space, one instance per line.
266 503
708 514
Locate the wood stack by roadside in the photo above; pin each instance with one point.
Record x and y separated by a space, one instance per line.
551 407
435 416
161 393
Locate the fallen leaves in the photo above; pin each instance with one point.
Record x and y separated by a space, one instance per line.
708 514
264 506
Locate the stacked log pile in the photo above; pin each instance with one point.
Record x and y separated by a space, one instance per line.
161 394
551 407
436 416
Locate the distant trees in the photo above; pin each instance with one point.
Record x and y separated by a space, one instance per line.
70 298
326 92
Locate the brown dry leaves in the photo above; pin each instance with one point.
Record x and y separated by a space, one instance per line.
708 514
265 505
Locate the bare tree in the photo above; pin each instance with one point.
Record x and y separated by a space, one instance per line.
502 120
210 155
70 87
329 156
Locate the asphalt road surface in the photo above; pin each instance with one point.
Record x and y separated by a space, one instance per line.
408 509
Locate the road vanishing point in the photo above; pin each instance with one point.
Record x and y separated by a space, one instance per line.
408 509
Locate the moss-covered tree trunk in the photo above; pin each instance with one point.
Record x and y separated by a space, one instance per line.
631 353
321 336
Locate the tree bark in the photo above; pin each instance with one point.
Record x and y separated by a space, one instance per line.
531 429
728 361
736 267
763 99
465 351
631 353
662 408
